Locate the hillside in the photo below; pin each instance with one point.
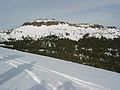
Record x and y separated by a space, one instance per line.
25 71
89 44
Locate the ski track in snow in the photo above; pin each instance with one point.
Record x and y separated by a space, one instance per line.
31 74
88 85
10 63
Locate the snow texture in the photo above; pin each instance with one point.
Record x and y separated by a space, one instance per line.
25 71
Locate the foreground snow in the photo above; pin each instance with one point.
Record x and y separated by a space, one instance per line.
24 71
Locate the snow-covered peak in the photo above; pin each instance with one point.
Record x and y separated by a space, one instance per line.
45 27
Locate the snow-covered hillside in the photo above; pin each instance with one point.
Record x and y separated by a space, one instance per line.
25 71
42 28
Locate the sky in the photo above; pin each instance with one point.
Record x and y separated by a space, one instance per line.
14 13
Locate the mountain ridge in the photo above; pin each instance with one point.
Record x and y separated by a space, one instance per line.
44 27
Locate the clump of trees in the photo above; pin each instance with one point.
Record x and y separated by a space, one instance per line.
48 23
96 26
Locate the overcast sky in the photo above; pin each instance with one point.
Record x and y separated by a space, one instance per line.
13 13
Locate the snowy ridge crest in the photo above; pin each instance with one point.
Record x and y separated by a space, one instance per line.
45 27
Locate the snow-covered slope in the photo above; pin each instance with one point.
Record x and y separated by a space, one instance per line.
24 71
41 28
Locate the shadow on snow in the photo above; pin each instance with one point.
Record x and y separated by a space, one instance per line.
44 86
14 72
